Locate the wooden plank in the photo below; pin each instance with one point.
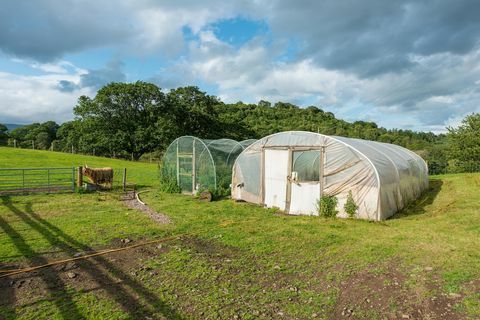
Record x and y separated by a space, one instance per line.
288 196
321 171
262 177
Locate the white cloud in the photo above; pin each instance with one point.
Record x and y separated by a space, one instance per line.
136 27
27 99
58 66
437 91
406 64
50 67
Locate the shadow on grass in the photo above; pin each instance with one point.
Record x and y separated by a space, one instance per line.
417 207
125 290
57 287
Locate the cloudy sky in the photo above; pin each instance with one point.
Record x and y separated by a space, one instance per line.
404 64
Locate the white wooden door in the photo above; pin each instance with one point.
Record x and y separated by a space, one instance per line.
275 173
306 182
304 198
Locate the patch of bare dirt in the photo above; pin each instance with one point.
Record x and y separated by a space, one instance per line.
366 295
209 248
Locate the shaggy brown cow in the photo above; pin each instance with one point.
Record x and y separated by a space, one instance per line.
99 175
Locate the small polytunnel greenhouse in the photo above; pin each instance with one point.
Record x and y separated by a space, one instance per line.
200 164
293 170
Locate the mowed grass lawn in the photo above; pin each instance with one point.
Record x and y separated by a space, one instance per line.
236 260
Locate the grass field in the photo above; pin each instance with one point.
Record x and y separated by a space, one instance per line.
143 174
235 260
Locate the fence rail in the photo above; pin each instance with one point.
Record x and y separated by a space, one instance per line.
32 180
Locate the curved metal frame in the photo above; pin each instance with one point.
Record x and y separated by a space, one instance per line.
207 148
194 169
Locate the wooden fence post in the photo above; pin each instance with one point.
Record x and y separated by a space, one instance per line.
124 182
48 180
80 177
23 180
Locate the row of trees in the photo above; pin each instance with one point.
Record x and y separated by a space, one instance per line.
129 120
463 146
36 135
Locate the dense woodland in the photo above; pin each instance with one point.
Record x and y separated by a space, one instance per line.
132 120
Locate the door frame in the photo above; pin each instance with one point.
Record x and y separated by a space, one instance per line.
193 173
291 149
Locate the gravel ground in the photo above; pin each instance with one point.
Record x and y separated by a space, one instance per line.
130 201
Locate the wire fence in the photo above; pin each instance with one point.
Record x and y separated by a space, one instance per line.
14 181
34 180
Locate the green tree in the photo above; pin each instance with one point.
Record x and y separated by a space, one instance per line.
464 144
42 141
66 137
195 112
437 158
3 135
125 119
40 134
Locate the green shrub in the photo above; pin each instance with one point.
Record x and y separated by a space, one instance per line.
327 206
350 206
168 180
221 192
223 186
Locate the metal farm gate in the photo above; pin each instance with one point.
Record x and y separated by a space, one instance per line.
31 180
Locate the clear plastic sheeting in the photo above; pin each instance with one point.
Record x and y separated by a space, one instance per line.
246 143
199 164
382 177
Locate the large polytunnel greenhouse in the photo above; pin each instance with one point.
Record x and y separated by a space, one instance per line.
293 170
200 164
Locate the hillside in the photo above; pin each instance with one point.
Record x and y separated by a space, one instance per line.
11 126
149 127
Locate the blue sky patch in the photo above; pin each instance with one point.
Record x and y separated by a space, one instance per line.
239 31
